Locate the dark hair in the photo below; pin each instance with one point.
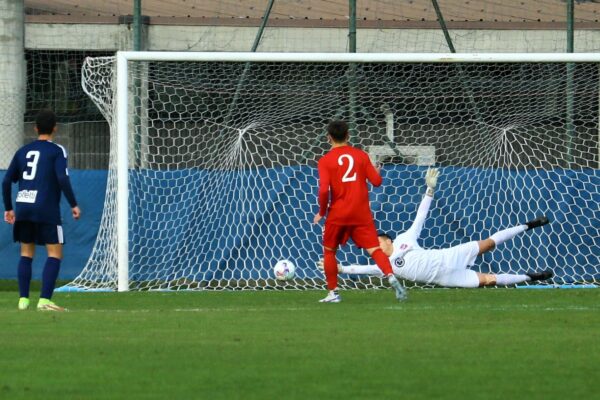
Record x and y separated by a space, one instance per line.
338 130
385 236
45 122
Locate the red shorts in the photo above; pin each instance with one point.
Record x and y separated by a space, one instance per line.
364 236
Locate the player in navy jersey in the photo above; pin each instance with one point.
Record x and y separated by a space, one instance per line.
40 169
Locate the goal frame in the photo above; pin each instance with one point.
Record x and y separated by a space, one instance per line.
122 105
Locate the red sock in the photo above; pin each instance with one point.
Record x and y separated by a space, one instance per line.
382 261
331 270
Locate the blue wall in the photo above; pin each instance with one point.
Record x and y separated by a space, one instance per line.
90 188
470 204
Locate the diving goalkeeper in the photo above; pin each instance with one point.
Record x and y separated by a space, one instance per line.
445 267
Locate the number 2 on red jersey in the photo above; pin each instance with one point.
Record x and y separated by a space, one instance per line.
347 177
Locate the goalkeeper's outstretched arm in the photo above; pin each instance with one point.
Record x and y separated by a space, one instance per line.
372 270
431 180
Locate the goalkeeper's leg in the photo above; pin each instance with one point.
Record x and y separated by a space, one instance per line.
513 279
507 234
501 237
456 273
467 278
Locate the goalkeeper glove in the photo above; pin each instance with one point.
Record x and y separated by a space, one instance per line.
321 265
431 178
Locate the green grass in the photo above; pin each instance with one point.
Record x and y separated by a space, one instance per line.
442 344
11 285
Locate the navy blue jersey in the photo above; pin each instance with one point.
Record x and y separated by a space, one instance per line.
40 168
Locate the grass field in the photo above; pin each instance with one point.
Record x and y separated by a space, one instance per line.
442 344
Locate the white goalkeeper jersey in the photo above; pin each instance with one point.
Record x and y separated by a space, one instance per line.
410 260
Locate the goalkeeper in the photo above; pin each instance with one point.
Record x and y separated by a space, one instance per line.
445 267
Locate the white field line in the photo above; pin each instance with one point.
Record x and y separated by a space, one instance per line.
398 307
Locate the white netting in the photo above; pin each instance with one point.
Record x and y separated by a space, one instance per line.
223 180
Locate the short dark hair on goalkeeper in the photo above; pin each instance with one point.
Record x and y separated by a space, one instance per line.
45 122
338 130
385 236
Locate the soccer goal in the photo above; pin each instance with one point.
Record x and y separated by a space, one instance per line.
212 175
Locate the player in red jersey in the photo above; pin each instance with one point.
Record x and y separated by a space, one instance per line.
343 174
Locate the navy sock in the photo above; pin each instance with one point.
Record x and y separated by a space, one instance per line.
49 277
24 274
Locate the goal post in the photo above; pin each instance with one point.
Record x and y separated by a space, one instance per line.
500 166
122 172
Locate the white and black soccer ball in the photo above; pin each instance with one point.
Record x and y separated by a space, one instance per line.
284 270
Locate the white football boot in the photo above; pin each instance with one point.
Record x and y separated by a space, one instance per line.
332 297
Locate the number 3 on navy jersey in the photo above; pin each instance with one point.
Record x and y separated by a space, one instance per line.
347 177
34 156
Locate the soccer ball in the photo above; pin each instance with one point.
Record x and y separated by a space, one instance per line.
284 270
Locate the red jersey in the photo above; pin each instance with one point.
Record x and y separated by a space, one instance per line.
344 172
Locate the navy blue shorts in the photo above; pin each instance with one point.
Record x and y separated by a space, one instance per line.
34 232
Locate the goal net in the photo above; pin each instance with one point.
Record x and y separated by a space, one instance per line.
221 165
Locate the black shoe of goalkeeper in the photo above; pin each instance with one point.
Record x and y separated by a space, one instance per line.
540 276
536 223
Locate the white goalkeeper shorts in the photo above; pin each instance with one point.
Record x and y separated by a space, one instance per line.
455 271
